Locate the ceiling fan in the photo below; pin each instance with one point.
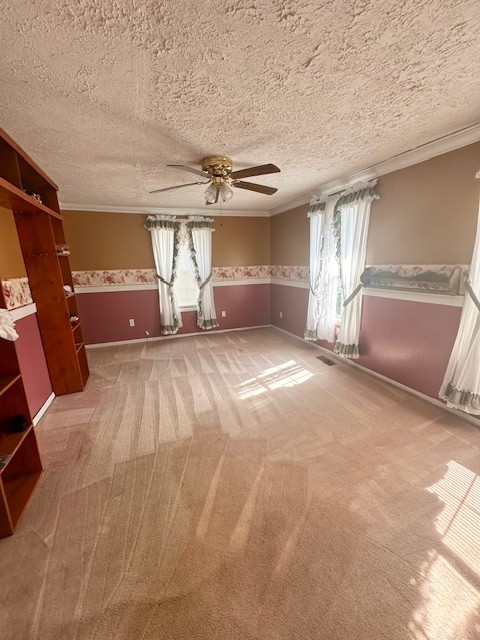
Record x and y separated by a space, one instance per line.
217 173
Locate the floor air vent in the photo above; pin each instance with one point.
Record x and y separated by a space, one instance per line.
326 360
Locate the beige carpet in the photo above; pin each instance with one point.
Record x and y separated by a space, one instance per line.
234 487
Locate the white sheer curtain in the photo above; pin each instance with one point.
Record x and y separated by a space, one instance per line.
200 231
461 385
165 232
322 301
352 215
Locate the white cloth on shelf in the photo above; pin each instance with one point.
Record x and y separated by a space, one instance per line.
7 326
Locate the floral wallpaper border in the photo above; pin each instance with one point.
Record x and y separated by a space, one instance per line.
300 274
427 278
113 277
116 277
16 293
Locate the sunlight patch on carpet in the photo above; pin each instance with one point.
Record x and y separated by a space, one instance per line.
288 374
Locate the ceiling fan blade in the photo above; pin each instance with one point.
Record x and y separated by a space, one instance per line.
191 169
255 171
260 188
178 186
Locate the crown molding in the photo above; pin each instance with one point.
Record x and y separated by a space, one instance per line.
292 204
424 152
172 211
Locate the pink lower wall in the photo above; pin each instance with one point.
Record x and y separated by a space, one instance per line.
33 365
105 315
409 342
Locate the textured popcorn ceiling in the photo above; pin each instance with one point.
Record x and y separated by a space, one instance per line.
104 93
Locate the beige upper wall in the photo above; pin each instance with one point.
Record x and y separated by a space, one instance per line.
107 241
11 259
426 214
290 238
241 241
119 241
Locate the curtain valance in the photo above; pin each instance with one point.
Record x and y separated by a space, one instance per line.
162 222
317 207
199 222
361 191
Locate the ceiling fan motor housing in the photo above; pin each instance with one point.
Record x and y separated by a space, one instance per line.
217 166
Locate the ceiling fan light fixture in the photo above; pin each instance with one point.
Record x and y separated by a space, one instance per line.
211 193
220 178
226 192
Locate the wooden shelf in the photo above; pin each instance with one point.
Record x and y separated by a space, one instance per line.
18 492
18 478
17 200
7 381
10 443
22 154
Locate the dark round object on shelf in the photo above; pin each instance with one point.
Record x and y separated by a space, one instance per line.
17 423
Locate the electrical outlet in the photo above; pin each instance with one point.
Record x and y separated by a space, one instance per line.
281 314
131 322
224 314
147 333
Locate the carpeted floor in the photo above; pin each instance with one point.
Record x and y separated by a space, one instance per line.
234 487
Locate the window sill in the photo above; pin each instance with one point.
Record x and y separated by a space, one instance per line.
189 307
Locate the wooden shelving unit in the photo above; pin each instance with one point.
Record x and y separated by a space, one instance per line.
23 468
40 231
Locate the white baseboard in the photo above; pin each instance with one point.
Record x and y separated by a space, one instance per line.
172 337
394 383
39 415
23 312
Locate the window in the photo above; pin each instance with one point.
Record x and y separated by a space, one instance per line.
185 287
